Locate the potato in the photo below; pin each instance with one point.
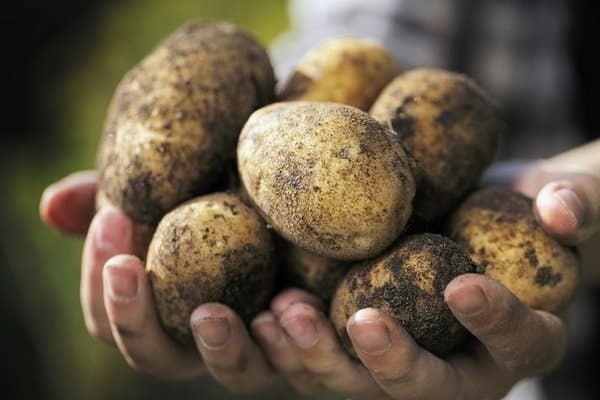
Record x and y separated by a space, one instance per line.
499 230
210 249
327 177
174 120
407 283
311 272
348 71
450 127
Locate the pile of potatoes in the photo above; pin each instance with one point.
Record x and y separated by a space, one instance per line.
342 186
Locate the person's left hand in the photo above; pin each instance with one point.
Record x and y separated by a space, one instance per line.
514 340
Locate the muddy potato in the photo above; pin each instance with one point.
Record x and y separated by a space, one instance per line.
407 283
210 249
345 70
327 177
174 119
450 127
499 230
316 274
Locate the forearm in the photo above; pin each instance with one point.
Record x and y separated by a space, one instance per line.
584 158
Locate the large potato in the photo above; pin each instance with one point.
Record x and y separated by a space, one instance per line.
174 120
211 249
450 127
348 71
499 230
327 177
407 283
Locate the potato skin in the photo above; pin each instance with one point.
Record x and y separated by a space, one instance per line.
499 230
407 283
173 122
450 127
327 177
316 274
210 249
345 70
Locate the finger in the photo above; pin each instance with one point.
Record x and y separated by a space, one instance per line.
135 326
232 358
322 355
110 234
402 368
282 354
569 207
69 204
524 341
291 296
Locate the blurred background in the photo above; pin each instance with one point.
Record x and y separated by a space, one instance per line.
61 61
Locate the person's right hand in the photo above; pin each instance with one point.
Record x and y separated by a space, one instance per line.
118 304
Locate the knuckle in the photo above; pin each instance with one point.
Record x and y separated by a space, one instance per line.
398 371
227 368
322 368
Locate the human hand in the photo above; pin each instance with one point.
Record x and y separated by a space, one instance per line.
515 341
566 189
118 306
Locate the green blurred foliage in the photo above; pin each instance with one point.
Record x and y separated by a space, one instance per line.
45 265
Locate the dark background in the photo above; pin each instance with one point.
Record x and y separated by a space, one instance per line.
60 63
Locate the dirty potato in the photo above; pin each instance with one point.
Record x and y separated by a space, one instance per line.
316 274
345 70
499 230
407 283
210 249
450 127
174 119
327 177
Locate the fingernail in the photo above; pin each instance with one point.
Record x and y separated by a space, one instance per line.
212 332
266 330
569 200
467 300
302 330
369 333
111 230
122 283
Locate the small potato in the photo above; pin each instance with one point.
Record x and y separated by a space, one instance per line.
500 232
211 249
450 127
174 120
407 283
311 272
327 177
348 71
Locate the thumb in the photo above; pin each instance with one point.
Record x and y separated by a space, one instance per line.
567 205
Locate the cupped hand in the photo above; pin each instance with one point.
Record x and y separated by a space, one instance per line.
514 342
118 304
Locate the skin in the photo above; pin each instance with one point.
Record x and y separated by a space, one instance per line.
173 122
449 126
348 71
210 249
397 370
326 177
499 230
